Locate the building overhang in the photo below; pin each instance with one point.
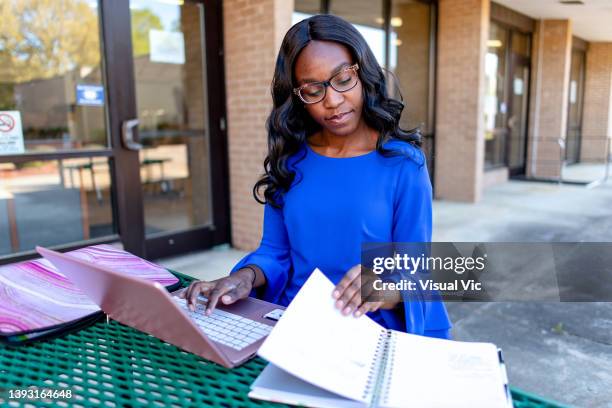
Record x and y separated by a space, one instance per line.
590 18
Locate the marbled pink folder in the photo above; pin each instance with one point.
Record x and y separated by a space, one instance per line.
34 295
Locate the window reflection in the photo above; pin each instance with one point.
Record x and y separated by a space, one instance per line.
307 6
409 60
575 107
54 202
495 106
50 73
367 17
172 109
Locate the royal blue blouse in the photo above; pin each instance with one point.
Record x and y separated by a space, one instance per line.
333 206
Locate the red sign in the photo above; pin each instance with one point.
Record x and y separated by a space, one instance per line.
7 122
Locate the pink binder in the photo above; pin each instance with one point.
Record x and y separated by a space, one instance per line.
36 297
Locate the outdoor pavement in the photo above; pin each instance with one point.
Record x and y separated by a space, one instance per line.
560 351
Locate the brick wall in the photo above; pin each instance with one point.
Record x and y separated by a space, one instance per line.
551 60
597 115
462 34
253 32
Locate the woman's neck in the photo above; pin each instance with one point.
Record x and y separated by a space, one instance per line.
362 140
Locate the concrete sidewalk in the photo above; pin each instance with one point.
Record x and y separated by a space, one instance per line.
560 351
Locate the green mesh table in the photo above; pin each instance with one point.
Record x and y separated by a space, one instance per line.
114 365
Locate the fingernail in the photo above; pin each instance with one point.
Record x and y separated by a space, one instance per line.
357 313
339 304
336 294
226 299
346 310
208 312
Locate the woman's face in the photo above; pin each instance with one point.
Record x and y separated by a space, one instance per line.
339 112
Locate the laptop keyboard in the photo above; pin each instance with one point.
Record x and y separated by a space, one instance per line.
226 328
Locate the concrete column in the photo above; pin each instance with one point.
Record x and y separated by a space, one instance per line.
597 115
253 32
462 35
551 63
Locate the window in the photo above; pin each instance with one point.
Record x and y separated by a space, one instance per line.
409 60
495 105
50 73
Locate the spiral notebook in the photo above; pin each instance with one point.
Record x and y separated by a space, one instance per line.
321 358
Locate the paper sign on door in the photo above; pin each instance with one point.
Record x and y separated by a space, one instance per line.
11 133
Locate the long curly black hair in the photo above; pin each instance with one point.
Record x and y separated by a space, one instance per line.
289 124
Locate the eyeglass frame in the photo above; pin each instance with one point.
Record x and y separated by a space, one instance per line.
354 67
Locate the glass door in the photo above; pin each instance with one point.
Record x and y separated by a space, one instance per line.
496 97
169 59
507 70
112 126
575 101
56 156
178 91
518 102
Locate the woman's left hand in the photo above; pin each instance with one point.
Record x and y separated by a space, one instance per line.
353 294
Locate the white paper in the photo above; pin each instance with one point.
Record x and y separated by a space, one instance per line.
11 133
167 46
316 343
274 384
468 374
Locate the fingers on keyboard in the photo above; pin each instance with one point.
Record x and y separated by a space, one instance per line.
227 328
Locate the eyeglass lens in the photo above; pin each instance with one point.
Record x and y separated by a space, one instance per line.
341 82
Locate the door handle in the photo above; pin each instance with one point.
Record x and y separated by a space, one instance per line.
127 135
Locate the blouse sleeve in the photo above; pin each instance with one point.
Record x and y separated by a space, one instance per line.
412 222
272 256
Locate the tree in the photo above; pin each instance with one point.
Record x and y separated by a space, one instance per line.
44 38
41 39
142 22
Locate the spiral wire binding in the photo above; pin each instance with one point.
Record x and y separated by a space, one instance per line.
374 382
388 368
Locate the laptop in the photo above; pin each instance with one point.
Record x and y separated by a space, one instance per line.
230 336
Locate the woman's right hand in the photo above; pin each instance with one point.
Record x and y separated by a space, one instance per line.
229 289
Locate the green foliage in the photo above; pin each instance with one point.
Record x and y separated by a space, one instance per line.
41 39
6 97
33 133
142 22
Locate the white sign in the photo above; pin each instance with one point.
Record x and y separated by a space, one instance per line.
11 133
573 92
167 46
518 86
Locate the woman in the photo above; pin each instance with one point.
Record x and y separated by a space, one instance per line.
339 172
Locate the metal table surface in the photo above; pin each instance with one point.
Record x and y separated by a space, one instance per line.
114 365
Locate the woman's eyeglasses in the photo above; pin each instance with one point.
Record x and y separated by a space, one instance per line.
343 81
